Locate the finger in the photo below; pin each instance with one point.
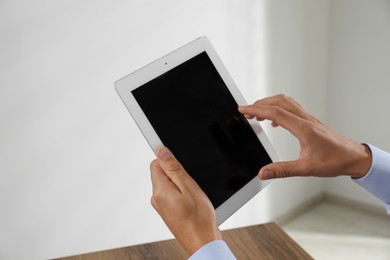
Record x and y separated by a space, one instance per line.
174 170
281 170
160 181
278 115
286 103
162 186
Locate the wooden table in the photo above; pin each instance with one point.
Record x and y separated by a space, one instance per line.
266 241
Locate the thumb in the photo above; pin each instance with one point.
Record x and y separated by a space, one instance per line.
280 170
173 169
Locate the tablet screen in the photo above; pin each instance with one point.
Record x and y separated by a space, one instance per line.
197 118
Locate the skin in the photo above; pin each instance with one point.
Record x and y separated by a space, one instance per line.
188 212
323 152
181 203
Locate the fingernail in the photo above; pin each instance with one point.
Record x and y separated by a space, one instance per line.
267 175
164 153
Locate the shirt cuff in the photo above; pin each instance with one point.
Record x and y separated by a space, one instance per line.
216 249
377 180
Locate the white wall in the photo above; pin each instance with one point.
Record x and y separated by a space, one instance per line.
297 48
74 168
359 80
74 171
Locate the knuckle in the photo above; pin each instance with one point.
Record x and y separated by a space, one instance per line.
292 99
284 99
157 197
153 202
284 173
281 97
174 167
151 166
258 102
277 111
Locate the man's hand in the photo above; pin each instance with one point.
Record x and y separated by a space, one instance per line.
181 203
324 153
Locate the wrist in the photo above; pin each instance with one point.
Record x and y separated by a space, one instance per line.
193 243
362 163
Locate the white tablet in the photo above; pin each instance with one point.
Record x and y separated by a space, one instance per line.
188 102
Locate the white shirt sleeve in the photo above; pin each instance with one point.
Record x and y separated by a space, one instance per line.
377 180
217 249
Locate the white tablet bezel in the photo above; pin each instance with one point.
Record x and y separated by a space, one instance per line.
125 85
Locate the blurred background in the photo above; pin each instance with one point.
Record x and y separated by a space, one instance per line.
74 167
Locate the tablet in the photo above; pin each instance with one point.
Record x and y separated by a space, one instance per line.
188 102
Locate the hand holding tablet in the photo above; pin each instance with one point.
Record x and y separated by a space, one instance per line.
181 203
188 102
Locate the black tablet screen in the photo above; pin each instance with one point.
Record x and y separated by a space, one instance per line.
196 117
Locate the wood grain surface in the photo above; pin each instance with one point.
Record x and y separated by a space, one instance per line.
266 241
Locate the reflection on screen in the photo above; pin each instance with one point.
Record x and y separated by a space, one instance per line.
196 117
